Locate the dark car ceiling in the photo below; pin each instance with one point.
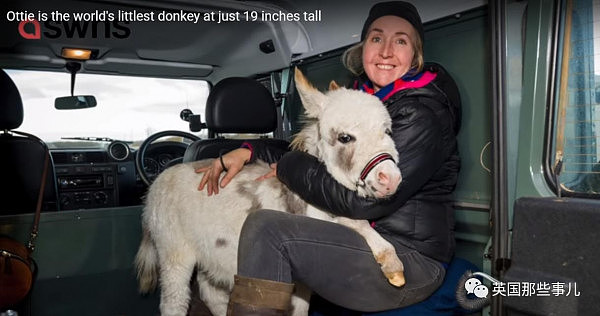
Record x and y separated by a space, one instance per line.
206 50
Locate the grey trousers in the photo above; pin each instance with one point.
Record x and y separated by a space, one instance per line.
332 260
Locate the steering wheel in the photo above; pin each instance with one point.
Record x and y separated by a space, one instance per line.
141 152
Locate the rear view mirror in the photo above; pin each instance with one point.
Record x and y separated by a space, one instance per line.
75 102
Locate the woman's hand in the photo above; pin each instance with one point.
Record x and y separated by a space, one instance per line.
233 161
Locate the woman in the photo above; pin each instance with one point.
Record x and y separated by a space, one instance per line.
277 249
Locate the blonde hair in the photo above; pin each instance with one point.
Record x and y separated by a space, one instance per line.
352 57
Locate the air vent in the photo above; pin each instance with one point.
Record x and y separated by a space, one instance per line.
118 151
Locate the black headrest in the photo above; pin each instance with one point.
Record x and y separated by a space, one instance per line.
11 107
240 105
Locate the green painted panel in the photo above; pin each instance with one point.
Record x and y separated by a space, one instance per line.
472 231
530 180
461 45
85 261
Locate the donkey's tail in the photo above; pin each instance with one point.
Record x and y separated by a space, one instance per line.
146 263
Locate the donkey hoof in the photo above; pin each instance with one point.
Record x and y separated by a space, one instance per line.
397 279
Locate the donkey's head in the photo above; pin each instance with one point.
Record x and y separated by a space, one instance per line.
351 133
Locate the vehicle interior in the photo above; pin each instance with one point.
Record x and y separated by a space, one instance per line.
119 90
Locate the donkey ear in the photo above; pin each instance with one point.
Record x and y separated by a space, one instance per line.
333 85
313 100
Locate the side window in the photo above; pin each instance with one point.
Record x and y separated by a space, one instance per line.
577 108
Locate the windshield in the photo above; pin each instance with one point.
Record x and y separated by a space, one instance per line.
129 108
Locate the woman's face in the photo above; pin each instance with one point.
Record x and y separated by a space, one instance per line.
388 51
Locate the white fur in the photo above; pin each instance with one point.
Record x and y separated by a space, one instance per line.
184 228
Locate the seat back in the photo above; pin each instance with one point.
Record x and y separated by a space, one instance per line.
21 158
236 105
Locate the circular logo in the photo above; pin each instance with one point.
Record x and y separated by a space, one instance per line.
474 286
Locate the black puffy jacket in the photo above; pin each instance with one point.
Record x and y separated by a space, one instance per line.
425 122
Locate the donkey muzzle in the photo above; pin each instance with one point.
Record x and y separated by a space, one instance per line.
387 175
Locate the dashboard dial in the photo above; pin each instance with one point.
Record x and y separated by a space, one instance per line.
163 159
151 167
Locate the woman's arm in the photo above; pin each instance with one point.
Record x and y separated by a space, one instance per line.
233 162
417 134
261 150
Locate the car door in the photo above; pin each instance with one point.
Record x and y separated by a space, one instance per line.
546 222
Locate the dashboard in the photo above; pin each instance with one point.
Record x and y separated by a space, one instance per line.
107 177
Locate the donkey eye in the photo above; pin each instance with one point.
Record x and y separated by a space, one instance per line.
345 138
388 132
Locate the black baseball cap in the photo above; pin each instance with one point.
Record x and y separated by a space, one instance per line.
400 9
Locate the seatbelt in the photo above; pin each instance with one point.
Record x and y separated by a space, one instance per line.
278 133
38 209
285 86
283 130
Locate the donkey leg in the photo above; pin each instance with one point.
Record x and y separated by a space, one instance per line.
215 298
300 300
384 251
176 267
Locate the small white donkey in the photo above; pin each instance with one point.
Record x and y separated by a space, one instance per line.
183 228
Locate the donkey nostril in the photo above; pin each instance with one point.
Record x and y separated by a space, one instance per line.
383 178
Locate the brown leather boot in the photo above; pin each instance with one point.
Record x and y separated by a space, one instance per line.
258 297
